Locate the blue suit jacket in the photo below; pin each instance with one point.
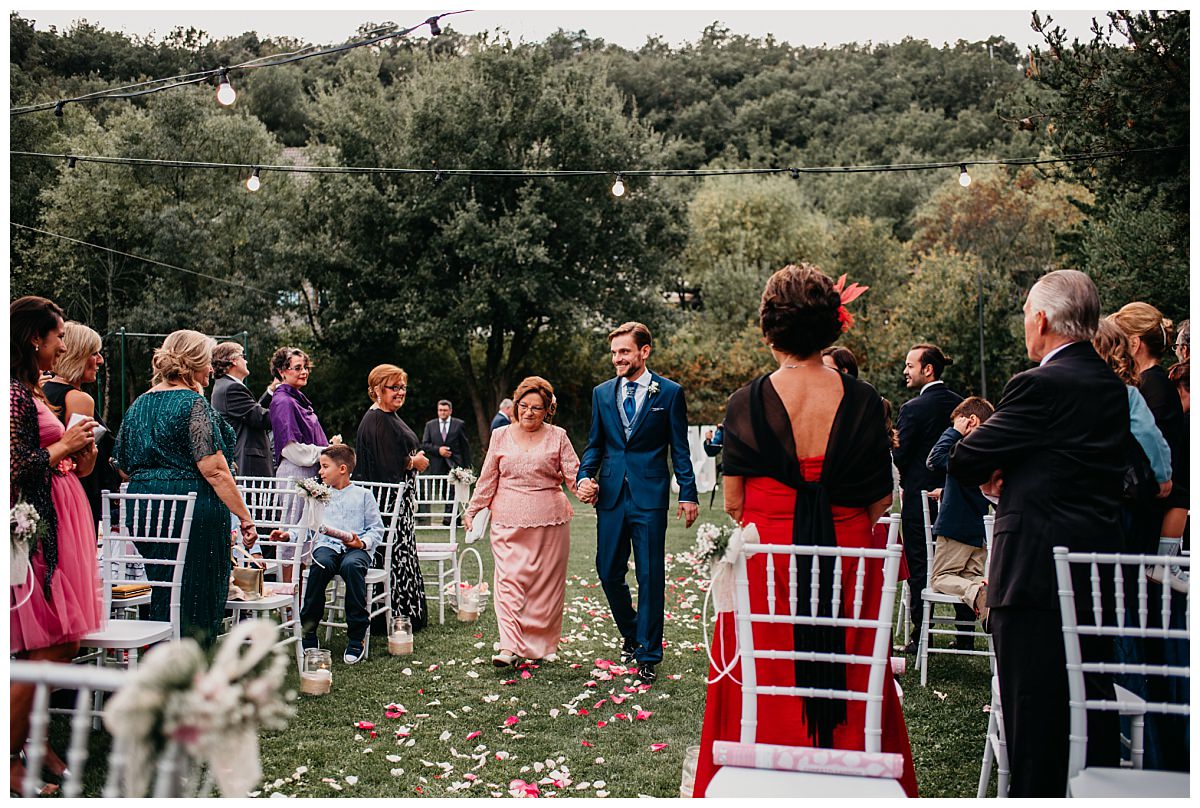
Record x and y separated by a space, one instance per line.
642 460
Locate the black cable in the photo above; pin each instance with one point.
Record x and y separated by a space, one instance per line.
186 79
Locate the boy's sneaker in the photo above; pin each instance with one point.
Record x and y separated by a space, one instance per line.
309 641
355 651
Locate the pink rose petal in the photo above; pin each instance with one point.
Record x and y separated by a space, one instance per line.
473 735
526 675
509 682
583 711
621 717
602 724
642 715
511 720
365 725
589 684
618 699
657 747
585 743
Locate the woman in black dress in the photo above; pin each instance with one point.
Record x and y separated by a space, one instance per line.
389 452
80 365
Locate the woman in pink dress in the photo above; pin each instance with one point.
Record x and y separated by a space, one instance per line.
60 602
526 466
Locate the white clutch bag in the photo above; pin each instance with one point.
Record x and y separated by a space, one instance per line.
479 525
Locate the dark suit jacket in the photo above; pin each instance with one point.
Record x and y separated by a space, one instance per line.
1058 438
921 422
456 439
499 420
252 423
660 424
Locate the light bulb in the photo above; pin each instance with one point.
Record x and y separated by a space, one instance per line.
964 179
226 95
254 183
618 188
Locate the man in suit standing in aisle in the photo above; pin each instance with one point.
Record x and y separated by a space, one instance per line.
445 442
504 416
921 421
636 418
249 418
1053 453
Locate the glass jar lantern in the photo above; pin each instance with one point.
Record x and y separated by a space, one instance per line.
316 672
468 604
400 640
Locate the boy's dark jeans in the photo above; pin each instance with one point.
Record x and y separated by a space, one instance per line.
352 565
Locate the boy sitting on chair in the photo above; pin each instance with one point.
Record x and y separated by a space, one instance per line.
354 529
959 555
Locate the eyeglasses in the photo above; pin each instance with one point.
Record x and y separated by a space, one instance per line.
300 368
523 407
396 388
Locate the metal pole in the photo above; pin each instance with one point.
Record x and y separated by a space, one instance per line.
982 369
124 405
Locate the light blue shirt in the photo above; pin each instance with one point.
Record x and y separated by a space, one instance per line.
1143 427
354 509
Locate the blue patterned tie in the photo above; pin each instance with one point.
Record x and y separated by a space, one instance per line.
629 403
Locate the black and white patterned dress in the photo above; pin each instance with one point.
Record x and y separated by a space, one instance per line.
384 444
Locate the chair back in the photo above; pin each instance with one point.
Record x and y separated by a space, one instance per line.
1119 601
390 498
929 542
435 501
781 570
892 520
271 500
46 677
159 527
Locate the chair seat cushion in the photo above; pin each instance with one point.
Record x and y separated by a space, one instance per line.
127 634
262 604
1130 783
736 781
939 597
375 576
432 552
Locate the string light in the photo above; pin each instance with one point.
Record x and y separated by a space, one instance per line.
618 189
254 183
226 95
964 179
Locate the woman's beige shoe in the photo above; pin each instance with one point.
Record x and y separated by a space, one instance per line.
504 659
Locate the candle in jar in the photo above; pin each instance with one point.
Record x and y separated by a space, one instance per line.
316 682
400 644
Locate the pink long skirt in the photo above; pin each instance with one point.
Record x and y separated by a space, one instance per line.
529 585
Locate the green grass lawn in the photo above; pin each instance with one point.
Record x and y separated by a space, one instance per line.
547 726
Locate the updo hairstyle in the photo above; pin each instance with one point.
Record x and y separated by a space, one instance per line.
536 384
1147 323
799 310
1112 345
182 356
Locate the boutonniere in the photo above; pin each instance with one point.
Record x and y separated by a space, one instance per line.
652 389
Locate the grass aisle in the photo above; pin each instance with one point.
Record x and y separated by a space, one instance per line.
566 728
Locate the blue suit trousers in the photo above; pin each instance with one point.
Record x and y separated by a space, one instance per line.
620 529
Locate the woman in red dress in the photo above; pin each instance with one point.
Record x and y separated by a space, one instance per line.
807 462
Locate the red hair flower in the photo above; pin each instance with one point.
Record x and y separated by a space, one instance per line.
847 294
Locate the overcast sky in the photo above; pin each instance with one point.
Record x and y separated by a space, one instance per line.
676 23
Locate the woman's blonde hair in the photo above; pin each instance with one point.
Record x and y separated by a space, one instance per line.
1112 345
384 374
81 342
182 355
1147 323
536 384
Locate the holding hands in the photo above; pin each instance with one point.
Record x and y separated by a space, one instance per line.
689 511
588 491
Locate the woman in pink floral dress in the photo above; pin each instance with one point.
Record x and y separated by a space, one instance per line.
527 464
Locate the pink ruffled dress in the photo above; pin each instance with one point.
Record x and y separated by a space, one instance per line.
531 535
75 606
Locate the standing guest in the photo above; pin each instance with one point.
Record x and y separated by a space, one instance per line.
714 441
920 423
1053 453
959 556
78 366
636 418
521 483
354 513
504 416
806 462
62 598
1149 336
840 359
1181 374
297 434
173 442
388 452
250 419
445 441
1183 341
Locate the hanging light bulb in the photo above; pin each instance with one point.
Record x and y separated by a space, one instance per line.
618 188
254 183
226 95
964 179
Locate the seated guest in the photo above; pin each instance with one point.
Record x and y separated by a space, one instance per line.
960 554
355 528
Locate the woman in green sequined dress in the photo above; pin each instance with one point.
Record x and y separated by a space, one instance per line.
173 442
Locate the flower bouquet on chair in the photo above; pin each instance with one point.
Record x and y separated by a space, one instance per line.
718 547
24 529
462 478
316 496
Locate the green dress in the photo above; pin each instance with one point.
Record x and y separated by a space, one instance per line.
162 437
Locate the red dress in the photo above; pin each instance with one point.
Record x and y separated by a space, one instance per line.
769 505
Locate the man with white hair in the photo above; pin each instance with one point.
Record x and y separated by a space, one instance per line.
1053 453
504 416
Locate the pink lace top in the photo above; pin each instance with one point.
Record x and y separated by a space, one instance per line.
524 488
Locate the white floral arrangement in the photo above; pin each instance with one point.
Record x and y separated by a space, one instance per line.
25 527
652 388
212 712
462 475
712 542
311 488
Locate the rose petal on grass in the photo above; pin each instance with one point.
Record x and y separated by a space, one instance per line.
511 720
618 699
643 715
473 735
941 696
601 724
445 736
584 743
657 747
351 780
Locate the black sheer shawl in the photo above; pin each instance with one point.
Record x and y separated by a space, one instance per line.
856 473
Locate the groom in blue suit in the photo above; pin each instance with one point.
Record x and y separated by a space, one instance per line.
635 418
